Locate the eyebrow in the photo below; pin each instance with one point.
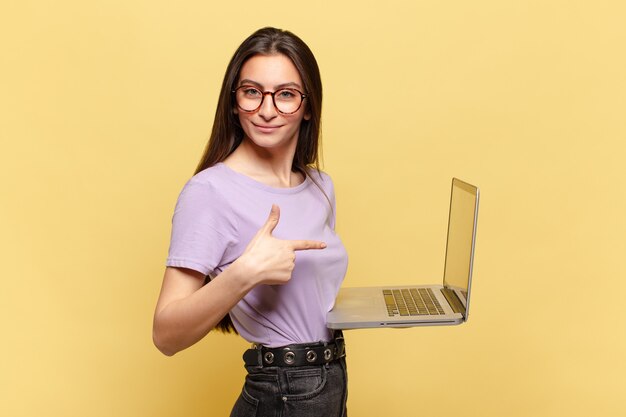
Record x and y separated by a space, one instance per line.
277 87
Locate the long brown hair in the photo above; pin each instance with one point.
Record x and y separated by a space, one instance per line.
227 133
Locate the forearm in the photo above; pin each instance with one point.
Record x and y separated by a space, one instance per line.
184 321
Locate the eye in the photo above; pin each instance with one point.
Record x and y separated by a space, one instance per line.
286 94
251 92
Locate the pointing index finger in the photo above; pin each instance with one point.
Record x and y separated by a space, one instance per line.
306 244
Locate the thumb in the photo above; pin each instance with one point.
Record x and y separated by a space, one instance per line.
272 220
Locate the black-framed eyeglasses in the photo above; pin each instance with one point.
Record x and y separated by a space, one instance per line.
286 100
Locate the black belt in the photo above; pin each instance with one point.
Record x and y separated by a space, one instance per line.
305 354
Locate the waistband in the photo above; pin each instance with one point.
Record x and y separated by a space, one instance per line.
304 354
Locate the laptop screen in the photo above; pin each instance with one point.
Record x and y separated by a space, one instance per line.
460 244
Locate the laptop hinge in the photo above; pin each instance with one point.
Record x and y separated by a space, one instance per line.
453 300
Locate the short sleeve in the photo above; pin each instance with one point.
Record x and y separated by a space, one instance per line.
201 228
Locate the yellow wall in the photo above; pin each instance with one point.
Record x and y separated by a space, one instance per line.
105 108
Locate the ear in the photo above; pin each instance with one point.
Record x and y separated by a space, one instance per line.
235 110
307 115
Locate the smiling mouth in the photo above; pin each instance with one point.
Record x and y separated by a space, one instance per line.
266 127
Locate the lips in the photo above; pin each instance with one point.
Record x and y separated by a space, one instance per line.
266 128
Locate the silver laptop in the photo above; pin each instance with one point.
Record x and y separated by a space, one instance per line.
421 305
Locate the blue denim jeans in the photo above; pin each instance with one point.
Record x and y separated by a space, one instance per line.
304 391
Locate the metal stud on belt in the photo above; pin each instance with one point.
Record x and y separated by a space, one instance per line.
269 357
311 356
290 358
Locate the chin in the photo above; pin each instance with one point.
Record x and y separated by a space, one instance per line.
269 142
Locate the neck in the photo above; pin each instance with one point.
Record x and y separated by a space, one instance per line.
271 166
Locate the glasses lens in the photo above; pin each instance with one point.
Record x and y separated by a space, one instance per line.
248 98
287 100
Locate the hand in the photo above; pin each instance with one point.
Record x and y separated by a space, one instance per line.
269 260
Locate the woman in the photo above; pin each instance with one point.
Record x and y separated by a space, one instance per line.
233 266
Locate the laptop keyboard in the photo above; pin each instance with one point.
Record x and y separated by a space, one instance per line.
412 302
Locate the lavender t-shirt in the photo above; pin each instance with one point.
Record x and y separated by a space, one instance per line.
217 214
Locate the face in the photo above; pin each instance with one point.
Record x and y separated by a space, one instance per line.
266 127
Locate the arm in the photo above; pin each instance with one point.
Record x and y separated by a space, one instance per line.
187 310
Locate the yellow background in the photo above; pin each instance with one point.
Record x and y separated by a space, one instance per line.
105 107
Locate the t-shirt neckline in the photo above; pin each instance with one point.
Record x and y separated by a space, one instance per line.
246 180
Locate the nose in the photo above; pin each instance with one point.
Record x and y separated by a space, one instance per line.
267 110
